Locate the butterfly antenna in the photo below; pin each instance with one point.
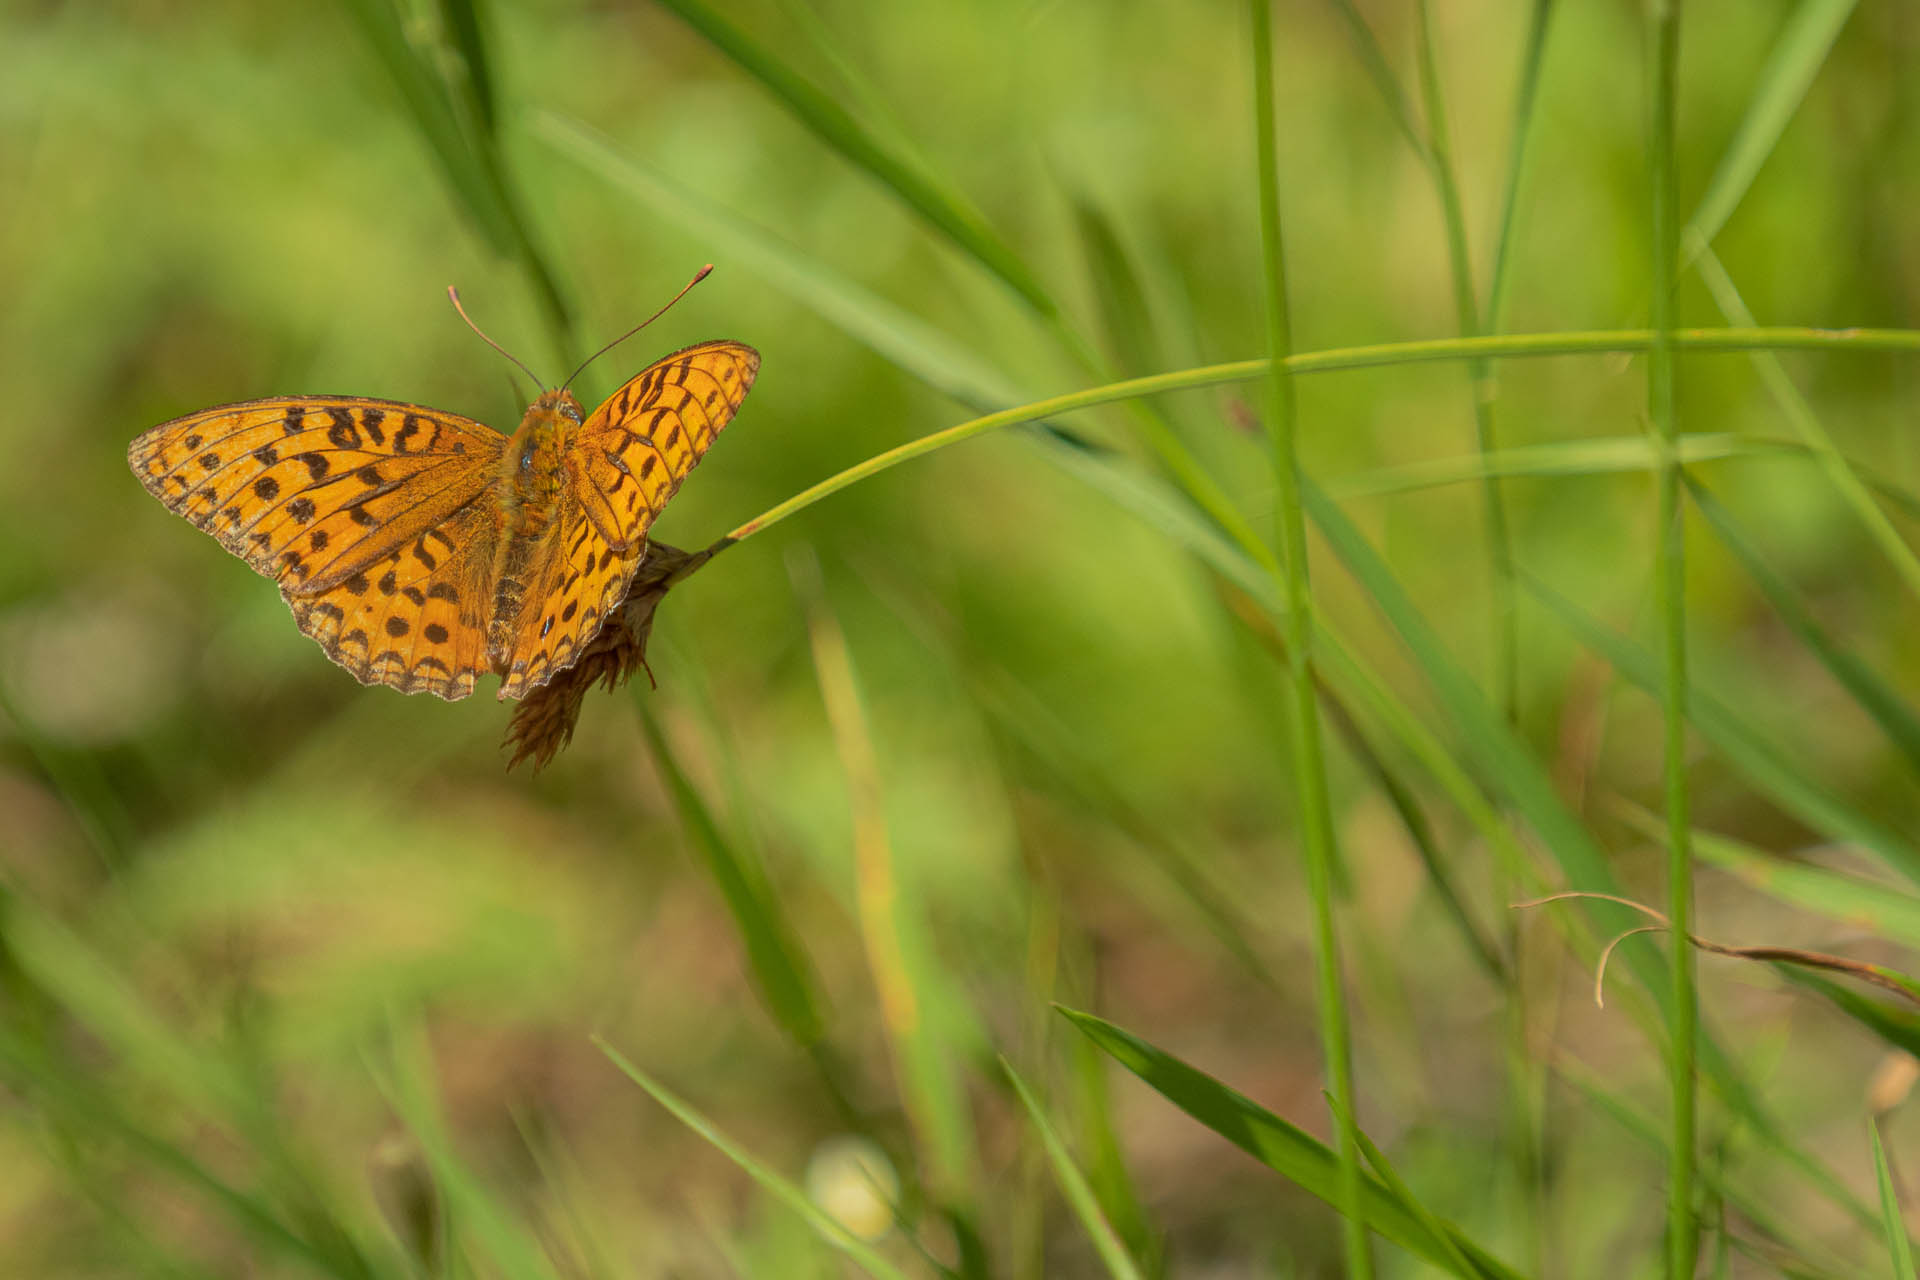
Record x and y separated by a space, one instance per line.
454 295
698 277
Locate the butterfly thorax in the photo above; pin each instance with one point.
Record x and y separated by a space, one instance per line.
533 480
533 469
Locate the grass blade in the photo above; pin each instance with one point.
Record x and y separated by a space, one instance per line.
1783 83
1806 425
857 1250
1897 1025
1308 748
1523 109
891 332
1287 1150
1374 61
1899 1248
780 970
911 1007
1456 1260
1113 1185
1847 900
1670 594
1527 786
496 1238
451 101
947 211
1073 1185
460 19
1895 718
1606 455
1758 1207
1766 766
431 110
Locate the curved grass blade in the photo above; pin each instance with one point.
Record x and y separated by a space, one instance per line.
857 1250
1073 1185
1282 1147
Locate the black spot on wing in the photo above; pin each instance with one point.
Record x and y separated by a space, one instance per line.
342 434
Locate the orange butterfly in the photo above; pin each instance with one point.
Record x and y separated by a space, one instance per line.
422 549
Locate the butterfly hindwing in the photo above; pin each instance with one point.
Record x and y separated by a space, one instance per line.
578 581
416 619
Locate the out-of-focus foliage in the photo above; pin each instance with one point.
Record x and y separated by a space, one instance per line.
298 978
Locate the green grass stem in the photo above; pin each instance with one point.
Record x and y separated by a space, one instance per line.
1670 592
1309 760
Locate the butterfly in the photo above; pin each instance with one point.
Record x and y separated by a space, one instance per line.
423 550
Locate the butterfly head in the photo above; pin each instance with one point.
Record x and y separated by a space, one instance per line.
561 404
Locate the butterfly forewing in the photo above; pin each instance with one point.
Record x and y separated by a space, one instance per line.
324 494
627 459
635 449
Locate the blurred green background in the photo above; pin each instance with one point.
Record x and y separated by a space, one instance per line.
299 981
